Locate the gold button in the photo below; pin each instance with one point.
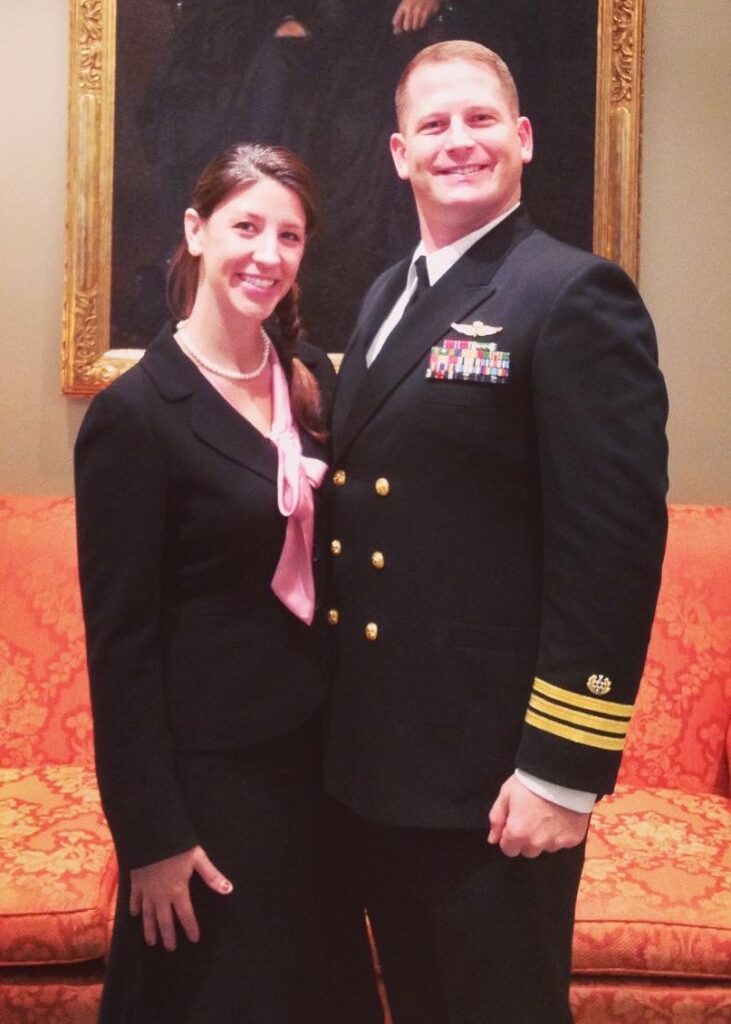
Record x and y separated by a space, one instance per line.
599 685
333 617
371 631
382 486
377 560
335 546
339 477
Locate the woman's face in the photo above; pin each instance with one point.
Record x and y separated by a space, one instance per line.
250 248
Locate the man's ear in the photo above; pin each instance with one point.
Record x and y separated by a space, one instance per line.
398 153
193 225
525 134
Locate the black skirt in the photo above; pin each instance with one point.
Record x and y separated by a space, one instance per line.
262 957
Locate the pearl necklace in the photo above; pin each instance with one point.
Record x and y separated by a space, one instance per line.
221 371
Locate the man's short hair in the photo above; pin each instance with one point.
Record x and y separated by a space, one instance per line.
458 50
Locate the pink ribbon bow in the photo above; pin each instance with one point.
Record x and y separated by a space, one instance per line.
297 476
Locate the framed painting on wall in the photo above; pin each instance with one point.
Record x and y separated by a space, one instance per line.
157 87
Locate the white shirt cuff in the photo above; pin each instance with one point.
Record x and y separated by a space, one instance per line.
572 799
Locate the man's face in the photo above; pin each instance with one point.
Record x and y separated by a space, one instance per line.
461 147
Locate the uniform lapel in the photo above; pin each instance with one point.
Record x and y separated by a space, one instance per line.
211 418
465 287
376 307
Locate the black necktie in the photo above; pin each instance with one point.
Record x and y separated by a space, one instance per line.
422 281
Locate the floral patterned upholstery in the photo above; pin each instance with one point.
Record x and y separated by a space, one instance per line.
38 997
656 898
57 867
56 857
680 734
653 932
676 1002
44 701
652 943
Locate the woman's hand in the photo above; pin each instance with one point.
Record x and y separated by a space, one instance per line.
159 889
414 14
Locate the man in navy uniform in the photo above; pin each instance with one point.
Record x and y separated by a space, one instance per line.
499 483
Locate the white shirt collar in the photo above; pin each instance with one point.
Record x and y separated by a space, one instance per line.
437 264
441 260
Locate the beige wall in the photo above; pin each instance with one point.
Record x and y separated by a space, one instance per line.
686 234
37 425
686 241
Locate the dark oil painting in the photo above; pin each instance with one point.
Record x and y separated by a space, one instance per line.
193 76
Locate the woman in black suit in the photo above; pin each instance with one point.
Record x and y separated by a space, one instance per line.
196 474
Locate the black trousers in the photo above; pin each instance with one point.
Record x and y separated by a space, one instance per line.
287 946
466 935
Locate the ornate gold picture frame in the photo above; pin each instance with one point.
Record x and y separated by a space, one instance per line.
88 364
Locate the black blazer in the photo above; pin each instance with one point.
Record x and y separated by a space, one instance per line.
179 535
521 536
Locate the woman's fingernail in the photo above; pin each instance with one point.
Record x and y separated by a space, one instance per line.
226 886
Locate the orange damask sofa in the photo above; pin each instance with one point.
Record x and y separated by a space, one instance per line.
653 930
57 867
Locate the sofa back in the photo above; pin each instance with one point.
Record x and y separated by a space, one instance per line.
680 735
44 692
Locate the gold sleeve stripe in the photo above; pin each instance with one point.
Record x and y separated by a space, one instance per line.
567 732
578 717
604 707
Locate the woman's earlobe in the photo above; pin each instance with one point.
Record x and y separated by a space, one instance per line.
192 226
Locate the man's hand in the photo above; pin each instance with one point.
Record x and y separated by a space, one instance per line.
159 889
524 824
291 29
414 14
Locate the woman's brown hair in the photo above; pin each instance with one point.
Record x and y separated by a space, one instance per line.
239 166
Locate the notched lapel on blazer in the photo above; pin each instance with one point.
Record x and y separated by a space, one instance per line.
219 426
212 419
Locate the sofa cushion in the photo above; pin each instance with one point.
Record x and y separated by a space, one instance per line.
57 867
655 899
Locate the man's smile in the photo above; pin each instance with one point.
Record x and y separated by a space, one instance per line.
465 171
